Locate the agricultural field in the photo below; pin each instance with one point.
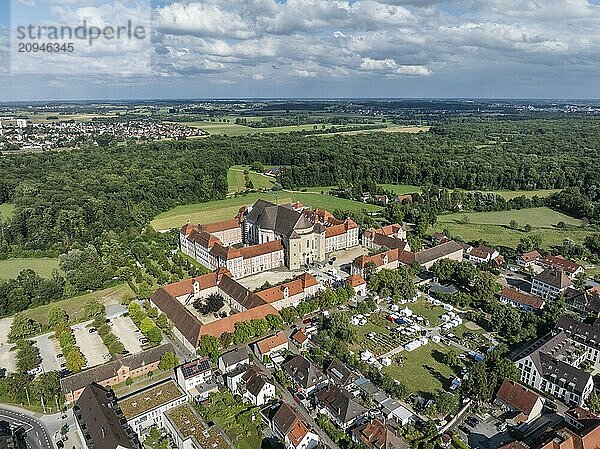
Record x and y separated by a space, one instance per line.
10 268
401 189
422 370
231 129
213 211
493 227
389 129
75 306
537 217
503 236
7 210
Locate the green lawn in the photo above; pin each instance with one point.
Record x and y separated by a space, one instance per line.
7 210
427 310
236 181
10 268
401 189
537 217
235 419
500 235
74 306
213 211
420 370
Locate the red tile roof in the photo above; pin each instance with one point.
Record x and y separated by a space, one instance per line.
530 256
355 280
274 341
248 252
297 432
295 287
300 336
219 226
522 298
517 397
560 262
405 257
219 327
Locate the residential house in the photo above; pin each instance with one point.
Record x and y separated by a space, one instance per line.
585 303
100 421
145 408
522 300
339 405
272 344
392 411
192 374
289 426
305 375
376 435
483 254
579 418
300 338
550 283
255 388
231 360
569 267
438 238
339 373
114 372
523 404
528 259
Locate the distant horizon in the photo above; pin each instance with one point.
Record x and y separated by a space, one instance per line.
308 99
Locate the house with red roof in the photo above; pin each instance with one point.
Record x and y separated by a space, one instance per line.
271 344
522 404
288 425
358 284
290 294
520 299
569 267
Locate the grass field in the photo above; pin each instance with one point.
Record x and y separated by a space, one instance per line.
213 211
501 235
401 189
236 179
10 268
420 370
537 217
231 129
427 310
389 129
74 306
7 210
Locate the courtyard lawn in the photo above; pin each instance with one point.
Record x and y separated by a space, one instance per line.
7 210
75 306
10 268
537 217
213 211
427 310
421 370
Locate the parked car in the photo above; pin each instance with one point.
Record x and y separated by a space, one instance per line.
59 355
63 365
92 330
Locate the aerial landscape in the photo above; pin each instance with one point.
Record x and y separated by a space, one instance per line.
291 225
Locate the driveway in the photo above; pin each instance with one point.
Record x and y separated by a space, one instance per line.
5 324
124 330
49 348
91 346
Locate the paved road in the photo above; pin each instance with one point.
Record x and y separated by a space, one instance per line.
36 434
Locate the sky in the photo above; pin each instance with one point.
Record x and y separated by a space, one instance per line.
309 48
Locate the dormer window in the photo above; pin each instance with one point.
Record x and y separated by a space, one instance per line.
286 292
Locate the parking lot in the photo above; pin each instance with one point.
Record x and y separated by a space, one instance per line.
125 331
49 349
91 346
7 358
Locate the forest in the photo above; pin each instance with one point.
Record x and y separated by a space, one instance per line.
93 205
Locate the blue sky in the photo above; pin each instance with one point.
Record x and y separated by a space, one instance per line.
321 48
